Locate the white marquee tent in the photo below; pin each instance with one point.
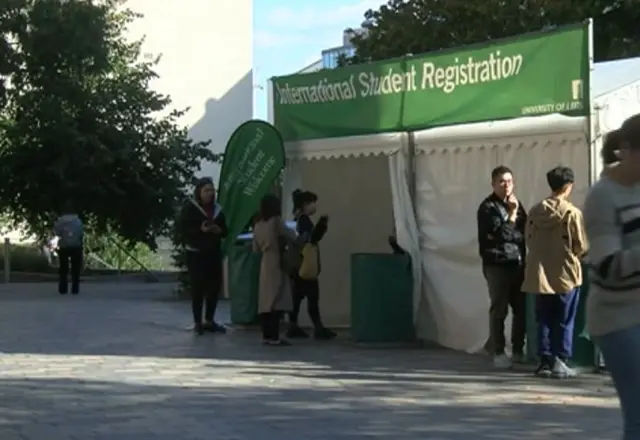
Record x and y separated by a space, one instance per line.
373 185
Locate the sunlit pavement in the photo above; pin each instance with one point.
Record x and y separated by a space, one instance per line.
117 362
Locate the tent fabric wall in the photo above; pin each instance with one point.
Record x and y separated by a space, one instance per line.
453 167
406 228
611 110
352 179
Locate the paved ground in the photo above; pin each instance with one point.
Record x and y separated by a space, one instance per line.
118 363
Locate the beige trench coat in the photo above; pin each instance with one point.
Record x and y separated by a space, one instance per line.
274 291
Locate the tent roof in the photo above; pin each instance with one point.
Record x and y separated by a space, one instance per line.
611 75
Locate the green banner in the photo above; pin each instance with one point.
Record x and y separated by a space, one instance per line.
253 158
530 75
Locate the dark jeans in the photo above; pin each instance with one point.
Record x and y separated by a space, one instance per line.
621 352
556 316
205 276
504 283
70 258
270 323
309 289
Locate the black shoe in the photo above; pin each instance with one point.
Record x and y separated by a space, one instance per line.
62 293
214 327
276 343
544 369
324 334
74 293
296 332
198 329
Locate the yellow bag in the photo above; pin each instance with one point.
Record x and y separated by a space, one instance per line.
309 267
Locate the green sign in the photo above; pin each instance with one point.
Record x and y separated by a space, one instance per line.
530 75
253 158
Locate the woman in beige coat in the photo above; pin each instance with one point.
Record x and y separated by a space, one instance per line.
270 237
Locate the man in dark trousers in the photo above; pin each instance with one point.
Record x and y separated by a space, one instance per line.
557 242
70 232
501 224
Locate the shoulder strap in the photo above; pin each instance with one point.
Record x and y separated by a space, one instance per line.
217 208
198 207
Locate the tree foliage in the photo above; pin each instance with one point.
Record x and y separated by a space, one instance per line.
403 27
81 124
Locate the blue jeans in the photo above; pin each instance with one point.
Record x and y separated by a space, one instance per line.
621 352
556 316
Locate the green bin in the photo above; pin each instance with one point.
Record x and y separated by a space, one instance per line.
381 298
584 351
243 269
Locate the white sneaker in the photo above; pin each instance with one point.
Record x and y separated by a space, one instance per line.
502 362
561 370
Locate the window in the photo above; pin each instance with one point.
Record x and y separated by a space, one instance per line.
330 56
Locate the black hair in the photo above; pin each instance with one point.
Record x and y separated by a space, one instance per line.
302 198
203 181
626 137
559 177
68 207
499 171
270 207
610 148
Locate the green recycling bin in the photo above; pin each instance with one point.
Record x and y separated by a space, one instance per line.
381 298
243 269
584 351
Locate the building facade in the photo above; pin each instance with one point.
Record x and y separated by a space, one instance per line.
206 63
206 66
313 67
331 56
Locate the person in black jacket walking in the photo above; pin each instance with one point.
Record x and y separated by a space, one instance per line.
501 224
203 227
304 206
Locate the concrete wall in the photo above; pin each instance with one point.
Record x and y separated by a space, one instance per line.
206 65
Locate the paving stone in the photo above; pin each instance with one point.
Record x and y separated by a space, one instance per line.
118 362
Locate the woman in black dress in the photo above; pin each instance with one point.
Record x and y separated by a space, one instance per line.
203 228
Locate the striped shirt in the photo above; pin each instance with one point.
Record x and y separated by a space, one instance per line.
612 221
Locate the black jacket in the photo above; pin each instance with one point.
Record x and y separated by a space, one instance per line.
500 242
194 239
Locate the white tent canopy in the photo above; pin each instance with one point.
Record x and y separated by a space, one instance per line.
616 97
363 185
453 167
361 182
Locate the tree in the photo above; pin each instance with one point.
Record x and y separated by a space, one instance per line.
81 124
403 27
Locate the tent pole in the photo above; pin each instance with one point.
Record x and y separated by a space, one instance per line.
411 168
593 142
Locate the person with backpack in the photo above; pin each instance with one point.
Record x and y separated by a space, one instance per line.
303 285
70 232
203 226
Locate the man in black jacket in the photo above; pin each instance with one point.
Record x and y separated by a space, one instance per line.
203 227
501 223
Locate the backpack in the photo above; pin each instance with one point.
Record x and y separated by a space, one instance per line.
71 233
290 255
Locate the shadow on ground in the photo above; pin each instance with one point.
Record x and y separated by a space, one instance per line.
33 408
106 365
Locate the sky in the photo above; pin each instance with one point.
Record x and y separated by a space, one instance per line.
290 35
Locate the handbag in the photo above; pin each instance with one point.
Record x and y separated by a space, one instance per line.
309 269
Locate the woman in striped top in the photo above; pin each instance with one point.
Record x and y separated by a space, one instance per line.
612 220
